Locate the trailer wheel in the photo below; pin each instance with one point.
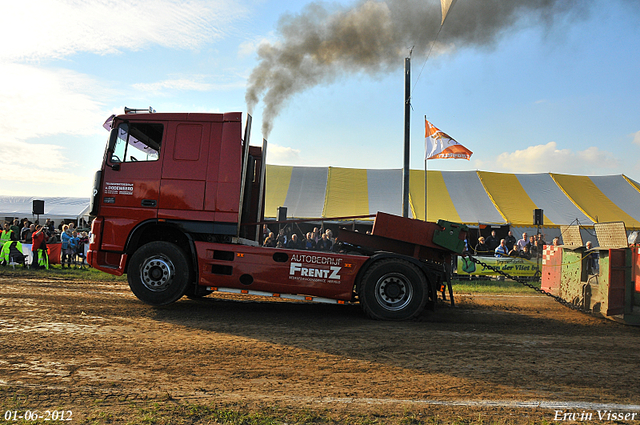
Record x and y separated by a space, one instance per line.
158 273
393 289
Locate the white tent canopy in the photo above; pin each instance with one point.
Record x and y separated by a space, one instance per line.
56 209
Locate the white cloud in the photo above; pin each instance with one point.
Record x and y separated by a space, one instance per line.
177 84
636 137
41 29
187 84
282 155
27 162
37 102
548 158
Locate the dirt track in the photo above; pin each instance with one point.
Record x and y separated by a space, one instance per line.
93 347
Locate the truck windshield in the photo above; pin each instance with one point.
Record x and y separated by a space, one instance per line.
137 142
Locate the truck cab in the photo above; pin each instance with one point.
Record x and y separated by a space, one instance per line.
171 177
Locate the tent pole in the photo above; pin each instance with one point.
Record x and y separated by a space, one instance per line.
407 136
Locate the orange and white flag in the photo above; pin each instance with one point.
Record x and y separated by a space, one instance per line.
439 145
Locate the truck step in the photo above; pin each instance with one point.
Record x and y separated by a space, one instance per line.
276 295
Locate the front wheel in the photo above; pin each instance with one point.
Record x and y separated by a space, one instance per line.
158 273
393 289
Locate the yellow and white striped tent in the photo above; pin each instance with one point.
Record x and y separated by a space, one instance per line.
469 197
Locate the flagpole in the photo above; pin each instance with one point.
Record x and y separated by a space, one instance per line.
425 175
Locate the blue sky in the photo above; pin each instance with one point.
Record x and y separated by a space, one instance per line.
562 97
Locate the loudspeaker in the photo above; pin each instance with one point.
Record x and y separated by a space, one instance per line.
282 213
38 207
538 217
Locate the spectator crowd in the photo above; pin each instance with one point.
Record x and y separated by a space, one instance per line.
14 234
529 247
313 241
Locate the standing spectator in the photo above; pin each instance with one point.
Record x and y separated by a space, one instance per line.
74 245
591 257
533 250
492 241
514 252
39 248
501 250
282 239
309 243
66 250
27 232
540 243
510 240
15 228
6 235
329 234
523 242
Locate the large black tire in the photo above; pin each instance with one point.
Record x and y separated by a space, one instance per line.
393 289
158 273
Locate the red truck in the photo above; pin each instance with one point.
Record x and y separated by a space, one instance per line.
178 207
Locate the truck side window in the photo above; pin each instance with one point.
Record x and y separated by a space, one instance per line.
137 142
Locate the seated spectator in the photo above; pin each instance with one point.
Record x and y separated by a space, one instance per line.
294 242
525 253
481 247
12 253
501 250
270 241
514 252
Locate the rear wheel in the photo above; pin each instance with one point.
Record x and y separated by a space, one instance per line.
393 289
158 273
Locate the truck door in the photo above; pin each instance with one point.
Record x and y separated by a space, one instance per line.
131 179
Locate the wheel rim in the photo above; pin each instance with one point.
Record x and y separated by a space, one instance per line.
394 291
157 273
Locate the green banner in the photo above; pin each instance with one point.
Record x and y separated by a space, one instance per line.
509 265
